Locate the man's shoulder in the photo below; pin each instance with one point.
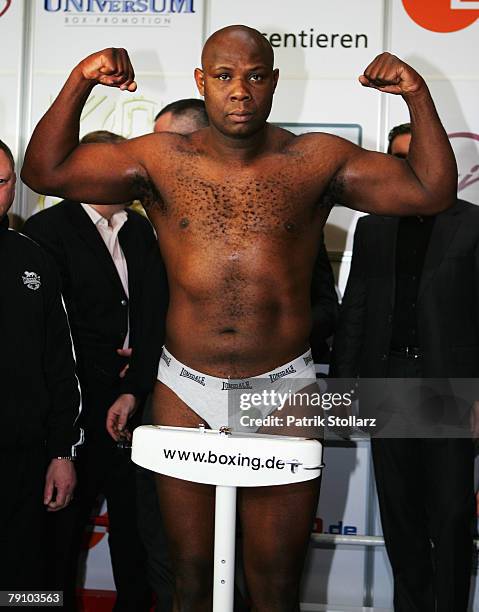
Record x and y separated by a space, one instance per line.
467 208
14 237
318 139
54 213
281 134
19 242
371 221
464 212
323 153
160 143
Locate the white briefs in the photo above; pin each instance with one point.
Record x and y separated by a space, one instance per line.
221 401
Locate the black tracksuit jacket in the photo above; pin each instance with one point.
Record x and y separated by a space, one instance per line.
40 397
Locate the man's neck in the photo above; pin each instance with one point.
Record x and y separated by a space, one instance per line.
107 210
238 149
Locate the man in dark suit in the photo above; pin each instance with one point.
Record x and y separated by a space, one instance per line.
411 310
100 252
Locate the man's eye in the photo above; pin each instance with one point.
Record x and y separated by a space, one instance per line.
2 181
256 77
223 77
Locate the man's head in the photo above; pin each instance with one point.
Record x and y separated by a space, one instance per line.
102 137
8 179
182 117
399 140
237 80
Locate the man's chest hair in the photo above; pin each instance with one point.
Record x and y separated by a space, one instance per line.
277 184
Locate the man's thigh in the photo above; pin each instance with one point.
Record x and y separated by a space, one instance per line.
425 472
187 507
92 467
128 555
276 527
120 490
169 409
152 533
401 487
448 466
399 477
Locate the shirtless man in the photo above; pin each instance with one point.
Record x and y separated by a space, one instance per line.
239 208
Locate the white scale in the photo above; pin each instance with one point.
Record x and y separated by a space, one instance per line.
225 459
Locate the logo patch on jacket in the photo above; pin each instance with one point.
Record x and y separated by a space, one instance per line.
31 280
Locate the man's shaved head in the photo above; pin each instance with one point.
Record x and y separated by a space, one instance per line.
237 80
218 41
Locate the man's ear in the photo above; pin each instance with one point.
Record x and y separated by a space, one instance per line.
200 81
275 78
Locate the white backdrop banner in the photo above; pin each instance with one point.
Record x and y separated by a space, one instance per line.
11 73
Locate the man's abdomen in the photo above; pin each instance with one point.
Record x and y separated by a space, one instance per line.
239 317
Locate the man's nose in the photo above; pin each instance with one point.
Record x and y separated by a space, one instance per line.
240 91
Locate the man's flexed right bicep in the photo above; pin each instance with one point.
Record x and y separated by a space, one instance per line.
56 164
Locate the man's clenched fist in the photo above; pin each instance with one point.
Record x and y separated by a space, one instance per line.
111 67
391 75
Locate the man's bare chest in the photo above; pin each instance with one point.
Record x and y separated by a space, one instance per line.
263 199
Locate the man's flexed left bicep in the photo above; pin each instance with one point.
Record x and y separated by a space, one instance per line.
382 184
426 182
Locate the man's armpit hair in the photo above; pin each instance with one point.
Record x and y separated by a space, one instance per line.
148 194
334 194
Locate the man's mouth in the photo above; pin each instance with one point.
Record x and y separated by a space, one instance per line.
241 116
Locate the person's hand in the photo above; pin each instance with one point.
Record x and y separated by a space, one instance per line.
59 484
118 414
110 67
124 353
389 74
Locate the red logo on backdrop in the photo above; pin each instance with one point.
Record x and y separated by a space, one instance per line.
443 15
467 158
4 6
